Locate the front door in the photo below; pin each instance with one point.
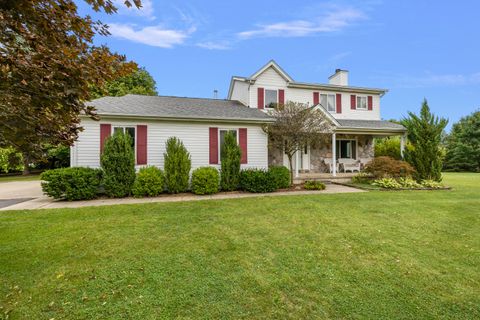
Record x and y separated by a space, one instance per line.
304 160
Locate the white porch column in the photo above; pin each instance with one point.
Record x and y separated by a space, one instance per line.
334 154
296 163
402 145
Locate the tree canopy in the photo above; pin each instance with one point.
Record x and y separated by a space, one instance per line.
425 136
295 126
48 63
463 144
138 82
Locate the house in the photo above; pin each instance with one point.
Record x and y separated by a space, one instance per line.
202 123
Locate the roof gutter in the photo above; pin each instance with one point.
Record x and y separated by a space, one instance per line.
183 119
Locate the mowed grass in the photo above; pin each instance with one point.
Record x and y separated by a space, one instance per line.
375 255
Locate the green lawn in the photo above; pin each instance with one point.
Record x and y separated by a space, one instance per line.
375 255
29 177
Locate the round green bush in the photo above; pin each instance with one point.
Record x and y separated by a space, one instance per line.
281 176
205 180
148 183
257 180
71 183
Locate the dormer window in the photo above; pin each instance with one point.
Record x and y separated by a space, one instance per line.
328 102
362 102
271 98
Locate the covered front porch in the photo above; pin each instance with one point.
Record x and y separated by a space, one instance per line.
350 147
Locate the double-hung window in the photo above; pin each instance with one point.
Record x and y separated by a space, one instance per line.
328 102
362 102
222 133
271 98
347 149
128 130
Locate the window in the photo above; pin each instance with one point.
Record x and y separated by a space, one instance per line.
128 130
347 149
328 102
361 102
222 133
271 98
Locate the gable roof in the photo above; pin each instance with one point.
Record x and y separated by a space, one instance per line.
272 64
177 108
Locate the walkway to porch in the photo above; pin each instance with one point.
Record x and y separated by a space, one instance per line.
328 177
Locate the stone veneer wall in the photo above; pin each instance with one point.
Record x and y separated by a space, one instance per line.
365 149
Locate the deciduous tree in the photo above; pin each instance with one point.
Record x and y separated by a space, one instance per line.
139 82
48 63
295 126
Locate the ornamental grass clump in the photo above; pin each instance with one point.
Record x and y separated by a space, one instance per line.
118 164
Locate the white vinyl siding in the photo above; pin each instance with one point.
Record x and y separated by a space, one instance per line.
194 135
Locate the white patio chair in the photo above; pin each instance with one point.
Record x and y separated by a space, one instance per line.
349 164
328 162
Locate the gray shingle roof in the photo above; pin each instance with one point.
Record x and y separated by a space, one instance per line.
177 108
370 124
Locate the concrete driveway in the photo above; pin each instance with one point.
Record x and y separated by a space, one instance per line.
19 191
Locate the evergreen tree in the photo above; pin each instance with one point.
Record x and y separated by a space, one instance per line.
177 166
463 145
425 137
118 164
230 165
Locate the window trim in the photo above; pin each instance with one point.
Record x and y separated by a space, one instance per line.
338 149
134 142
334 101
265 97
219 141
357 104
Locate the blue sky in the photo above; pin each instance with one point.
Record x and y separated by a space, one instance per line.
415 49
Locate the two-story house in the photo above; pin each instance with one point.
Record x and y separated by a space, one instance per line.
202 123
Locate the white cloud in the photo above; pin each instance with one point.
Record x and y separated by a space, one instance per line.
146 11
211 45
156 36
335 19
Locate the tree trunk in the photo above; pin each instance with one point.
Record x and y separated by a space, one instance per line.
26 163
291 168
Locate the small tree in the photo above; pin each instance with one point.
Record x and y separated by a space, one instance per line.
297 125
425 136
177 166
230 164
463 145
118 164
388 147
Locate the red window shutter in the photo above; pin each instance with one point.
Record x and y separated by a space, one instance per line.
316 98
141 144
339 103
370 103
242 141
260 98
105 131
353 101
213 141
281 96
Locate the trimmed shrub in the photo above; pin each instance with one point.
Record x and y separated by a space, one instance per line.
118 164
205 180
148 183
71 183
386 167
177 166
230 163
257 180
314 185
281 176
